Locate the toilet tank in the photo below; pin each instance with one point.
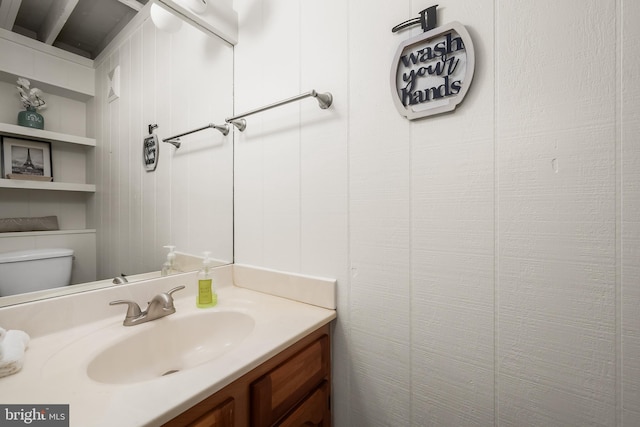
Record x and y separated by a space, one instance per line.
34 270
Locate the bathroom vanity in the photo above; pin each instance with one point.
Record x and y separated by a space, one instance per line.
290 389
260 357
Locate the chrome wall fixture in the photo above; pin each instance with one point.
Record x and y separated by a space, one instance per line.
324 100
175 140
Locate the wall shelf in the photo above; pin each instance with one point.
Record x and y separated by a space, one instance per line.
46 233
44 135
38 185
16 131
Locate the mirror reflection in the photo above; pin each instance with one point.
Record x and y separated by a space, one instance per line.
118 217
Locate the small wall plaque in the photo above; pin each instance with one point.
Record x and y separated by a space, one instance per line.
150 151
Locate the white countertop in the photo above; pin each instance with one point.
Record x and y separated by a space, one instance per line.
54 371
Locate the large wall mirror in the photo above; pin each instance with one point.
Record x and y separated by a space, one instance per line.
179 80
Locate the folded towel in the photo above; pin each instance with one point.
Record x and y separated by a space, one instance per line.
12 348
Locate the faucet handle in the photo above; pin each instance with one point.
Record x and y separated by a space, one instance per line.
165 300
177 288
133 309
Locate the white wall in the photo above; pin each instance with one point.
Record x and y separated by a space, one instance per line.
179 81
478 285
628 218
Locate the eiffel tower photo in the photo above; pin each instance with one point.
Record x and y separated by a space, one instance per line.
27 161
28 164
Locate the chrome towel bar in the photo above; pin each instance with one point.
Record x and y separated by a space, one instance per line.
175 140
324 100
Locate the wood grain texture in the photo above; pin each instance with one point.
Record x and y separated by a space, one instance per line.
251 395
629 229
492 253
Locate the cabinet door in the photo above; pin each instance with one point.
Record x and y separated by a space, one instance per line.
220 416
274 394
314 411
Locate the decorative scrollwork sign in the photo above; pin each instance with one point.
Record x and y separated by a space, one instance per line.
432 72
150 150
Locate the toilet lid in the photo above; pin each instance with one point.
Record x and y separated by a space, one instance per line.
29 255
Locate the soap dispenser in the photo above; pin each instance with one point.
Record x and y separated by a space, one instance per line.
169 265
206 294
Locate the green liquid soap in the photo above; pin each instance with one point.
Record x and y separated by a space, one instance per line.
206 295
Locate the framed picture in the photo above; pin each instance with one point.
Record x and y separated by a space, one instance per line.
25 159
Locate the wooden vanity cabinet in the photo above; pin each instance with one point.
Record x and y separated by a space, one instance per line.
313 411
220 415
292 389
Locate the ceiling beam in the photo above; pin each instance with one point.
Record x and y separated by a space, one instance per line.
8 12
133 4
55 20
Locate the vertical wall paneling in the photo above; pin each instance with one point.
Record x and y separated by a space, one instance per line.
280 136
211 161
273 137
163 76
629 254
180 119
179 81
556 230
124 169
248 165
102 168
137 131
452 252
116 171
149 115
379 211
323 136
324 163
491 269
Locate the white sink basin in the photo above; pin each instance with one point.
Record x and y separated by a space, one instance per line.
169 345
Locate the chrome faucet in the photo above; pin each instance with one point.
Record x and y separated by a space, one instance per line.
161 305
119 280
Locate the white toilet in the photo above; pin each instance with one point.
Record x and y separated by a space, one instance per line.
34 270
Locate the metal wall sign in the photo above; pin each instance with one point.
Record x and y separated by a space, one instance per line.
150 150
431 72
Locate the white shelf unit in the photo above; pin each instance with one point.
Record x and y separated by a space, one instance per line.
67 152
15 131
54 186
44 135
68 82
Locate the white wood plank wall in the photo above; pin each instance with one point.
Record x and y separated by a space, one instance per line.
487 260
